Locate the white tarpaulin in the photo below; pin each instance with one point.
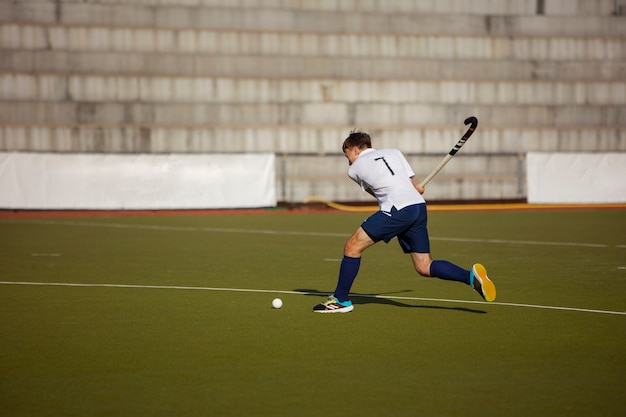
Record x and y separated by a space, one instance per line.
106 181
576 177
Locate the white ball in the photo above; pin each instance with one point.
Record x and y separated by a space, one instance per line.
277 303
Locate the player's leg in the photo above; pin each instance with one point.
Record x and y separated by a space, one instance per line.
476 277
351 262
416 242
427 267
357 243
340 302
379 226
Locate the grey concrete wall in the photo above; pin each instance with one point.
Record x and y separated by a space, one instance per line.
57 37
115 88
306 114
466 7
304 140
569 17
295 77
272 67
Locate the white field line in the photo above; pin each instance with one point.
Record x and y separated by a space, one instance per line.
300 233
186 228
249 290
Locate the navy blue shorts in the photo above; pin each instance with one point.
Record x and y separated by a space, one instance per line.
408 225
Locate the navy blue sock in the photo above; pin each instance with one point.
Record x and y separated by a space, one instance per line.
449 271
347 273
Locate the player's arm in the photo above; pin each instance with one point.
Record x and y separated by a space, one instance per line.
410 171
365 188
417 186
362 184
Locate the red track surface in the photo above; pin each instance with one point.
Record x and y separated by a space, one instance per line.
308 208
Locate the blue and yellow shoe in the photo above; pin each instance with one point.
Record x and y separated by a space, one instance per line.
332 305
481 283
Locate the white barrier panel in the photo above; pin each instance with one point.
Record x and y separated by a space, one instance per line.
576 177
106 181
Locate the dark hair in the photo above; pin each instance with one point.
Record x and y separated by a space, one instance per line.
356 138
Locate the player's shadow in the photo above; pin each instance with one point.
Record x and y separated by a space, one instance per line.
359 299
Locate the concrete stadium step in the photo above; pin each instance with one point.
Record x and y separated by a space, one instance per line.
113 88
152 40
307 140
338 189
334 114
294 20
310 114
305 176
305 67
486 7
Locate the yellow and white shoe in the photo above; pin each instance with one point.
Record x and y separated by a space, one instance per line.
481 283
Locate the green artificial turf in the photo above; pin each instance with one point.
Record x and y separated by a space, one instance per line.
162 340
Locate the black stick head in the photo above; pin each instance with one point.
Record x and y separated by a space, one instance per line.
473 121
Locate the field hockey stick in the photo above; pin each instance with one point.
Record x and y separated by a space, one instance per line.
473 122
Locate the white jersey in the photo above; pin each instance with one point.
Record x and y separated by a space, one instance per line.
386 173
